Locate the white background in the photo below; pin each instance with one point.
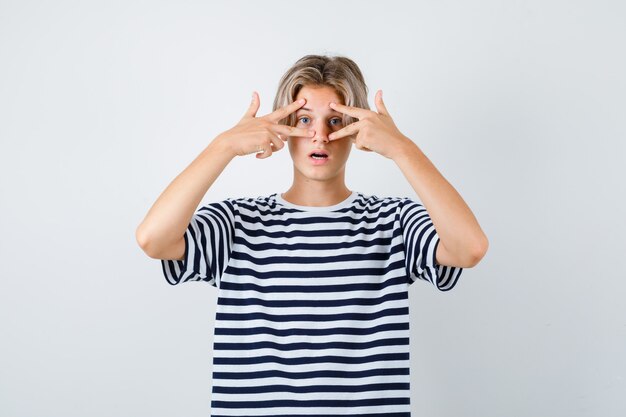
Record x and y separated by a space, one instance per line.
519 104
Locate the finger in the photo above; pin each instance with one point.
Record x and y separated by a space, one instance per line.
292 131
283 112
268 152
351 129
254 106
379 103
278 143
357 112
362 148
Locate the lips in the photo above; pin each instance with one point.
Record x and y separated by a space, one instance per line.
318 152
319 157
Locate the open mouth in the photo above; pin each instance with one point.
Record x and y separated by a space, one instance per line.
318 154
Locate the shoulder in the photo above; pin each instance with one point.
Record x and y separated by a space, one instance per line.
247 204
241 200
373 200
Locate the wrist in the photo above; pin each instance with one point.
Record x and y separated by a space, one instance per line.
405 150
221 144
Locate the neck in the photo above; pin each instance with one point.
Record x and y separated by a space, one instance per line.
316 193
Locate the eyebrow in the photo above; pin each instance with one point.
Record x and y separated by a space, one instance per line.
304 108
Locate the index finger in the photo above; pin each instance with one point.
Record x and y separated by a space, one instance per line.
283 112
357 112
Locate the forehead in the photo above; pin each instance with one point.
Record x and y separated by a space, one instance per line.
318 97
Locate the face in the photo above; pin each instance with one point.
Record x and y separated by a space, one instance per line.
316 114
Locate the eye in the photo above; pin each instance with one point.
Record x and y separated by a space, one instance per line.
337 121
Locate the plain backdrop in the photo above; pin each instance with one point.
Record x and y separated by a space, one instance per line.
519 104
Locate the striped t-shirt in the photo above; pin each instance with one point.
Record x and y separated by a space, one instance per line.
312 302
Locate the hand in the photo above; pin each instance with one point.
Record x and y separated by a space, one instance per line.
254 134
374 131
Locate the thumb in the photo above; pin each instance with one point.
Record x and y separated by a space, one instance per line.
379 103
254 106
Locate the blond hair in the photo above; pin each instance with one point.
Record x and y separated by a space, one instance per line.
339 72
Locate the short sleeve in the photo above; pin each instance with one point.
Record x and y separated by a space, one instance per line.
208 243
420 241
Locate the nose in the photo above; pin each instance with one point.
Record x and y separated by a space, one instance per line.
321 132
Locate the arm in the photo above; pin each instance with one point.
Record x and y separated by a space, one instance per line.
462 241
160 234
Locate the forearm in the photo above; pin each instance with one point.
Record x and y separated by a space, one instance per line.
168 218
455 223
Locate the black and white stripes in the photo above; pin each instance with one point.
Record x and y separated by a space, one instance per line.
208 242
312 313
421 240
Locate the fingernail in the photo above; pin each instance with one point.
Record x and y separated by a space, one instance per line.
301 101
332 104
252 95
331 136
311 132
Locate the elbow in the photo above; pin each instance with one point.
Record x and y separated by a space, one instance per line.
144 242
140 237
158 248
479 251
